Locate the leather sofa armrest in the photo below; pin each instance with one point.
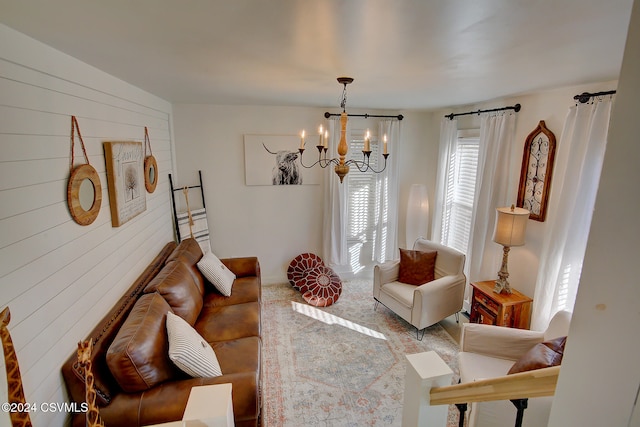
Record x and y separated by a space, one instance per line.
243 266
498 341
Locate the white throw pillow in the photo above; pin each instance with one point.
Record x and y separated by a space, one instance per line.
189 351
217 273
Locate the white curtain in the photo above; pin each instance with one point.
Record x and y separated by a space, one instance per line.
335 204
386 222
448 137
492 191
578 165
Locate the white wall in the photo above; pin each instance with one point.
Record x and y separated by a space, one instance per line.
258 220
57 277
600 377
275 223
551 106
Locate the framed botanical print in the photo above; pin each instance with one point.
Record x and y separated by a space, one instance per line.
125 178
537 170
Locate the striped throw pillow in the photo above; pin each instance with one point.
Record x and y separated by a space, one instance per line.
217 273
189 351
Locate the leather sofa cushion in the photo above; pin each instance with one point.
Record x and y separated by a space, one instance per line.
542 355
417 267
245 289
139 355
189 253
229 322
240 361
167 403
175 283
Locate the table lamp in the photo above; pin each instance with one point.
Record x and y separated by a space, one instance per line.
511 224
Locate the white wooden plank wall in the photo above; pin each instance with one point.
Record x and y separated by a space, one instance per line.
57 277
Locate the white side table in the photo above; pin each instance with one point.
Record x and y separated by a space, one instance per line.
208 406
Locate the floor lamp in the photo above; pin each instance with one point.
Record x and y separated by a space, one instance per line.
510 228
417 214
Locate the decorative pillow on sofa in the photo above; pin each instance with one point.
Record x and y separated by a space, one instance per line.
217 273
542 355
189 351
176 285
138 356
417 267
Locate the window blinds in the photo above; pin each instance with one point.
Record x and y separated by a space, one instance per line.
460 193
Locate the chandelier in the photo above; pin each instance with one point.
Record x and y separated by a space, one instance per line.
341 164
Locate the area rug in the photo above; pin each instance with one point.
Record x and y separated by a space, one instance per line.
342 365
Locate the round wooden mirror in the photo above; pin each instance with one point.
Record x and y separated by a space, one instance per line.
150 173
84 194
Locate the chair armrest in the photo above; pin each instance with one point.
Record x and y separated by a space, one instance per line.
436 300
386 272
437 286
243 266
498 341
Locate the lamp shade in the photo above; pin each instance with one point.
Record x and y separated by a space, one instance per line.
511 224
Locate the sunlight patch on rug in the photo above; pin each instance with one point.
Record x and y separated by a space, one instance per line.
330 319
342 365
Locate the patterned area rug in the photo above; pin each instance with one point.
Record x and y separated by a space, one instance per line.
342 365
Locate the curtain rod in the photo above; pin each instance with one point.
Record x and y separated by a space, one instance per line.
515 108
366 116
584 97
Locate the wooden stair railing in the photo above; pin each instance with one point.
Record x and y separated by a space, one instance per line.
536 383
427 395
517 388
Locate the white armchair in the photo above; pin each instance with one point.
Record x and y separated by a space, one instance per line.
489 351
427 304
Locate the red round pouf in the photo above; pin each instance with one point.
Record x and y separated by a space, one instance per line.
322 287
299 267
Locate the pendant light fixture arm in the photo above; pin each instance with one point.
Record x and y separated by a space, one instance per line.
322 158
363 166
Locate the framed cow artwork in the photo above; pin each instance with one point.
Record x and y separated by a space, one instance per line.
275 160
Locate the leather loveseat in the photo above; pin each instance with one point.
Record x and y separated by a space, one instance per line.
157 391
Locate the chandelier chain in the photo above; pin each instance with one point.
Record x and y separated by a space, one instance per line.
343 102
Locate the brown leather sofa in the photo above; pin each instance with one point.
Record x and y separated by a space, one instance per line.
230 324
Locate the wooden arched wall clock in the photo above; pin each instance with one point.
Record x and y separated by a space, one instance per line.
537 170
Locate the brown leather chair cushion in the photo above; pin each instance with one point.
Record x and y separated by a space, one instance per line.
139 355
417 267
175 283
542 355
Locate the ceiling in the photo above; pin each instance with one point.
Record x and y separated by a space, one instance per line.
403 54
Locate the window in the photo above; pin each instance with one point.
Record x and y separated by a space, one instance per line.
460 191
363 204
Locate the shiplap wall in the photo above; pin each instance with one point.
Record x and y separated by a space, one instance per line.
57 277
